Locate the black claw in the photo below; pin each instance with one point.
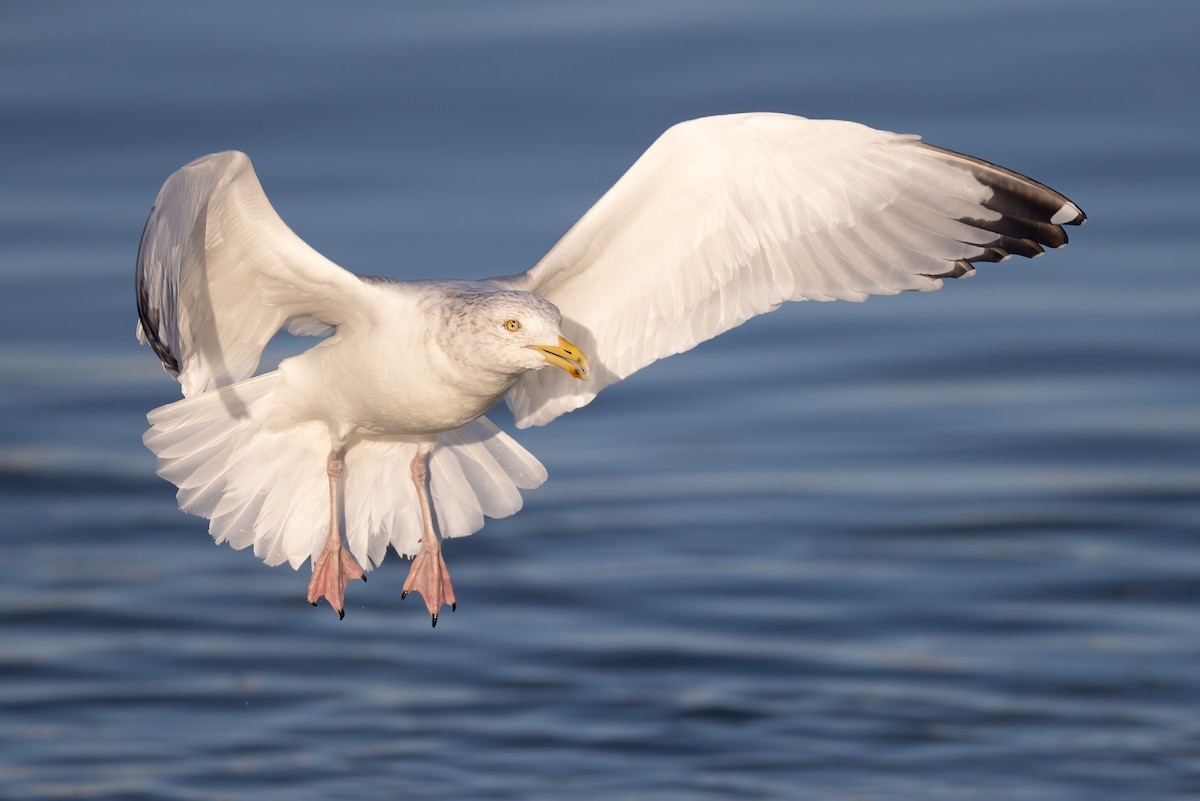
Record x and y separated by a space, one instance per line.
341 614
434 621
403 595
364 578
314 603
454 606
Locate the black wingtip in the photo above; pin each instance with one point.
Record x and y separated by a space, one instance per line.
1028 216
958 270
148 312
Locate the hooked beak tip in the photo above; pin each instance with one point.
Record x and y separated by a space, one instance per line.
567 356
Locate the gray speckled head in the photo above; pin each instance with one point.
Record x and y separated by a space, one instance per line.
493 330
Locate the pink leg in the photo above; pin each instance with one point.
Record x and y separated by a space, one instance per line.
334 568
428 574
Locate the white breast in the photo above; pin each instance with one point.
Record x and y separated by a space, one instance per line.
393 377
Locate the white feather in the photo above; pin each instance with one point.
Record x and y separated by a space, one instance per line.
219 273
268 488
725 218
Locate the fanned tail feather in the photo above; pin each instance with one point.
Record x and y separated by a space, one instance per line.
269 489
257 486
474 471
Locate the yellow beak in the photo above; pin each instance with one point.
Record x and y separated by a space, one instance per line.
566 356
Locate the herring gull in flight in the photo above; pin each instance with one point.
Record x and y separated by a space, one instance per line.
352 445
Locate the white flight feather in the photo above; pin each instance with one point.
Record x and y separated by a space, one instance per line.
221 273
725 218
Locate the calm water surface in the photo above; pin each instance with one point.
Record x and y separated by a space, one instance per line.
930 547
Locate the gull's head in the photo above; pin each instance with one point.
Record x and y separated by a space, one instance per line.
522 331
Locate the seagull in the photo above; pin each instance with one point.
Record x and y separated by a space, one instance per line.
376 435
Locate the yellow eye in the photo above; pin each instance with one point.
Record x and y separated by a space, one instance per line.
512 325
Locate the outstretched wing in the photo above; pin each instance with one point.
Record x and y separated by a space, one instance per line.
725 218
218 273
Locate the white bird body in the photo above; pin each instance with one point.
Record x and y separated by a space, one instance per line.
722 219
392 373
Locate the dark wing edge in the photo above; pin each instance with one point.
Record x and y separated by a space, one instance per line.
157 324
1032 215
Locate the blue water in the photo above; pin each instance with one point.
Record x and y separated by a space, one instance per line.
933 546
